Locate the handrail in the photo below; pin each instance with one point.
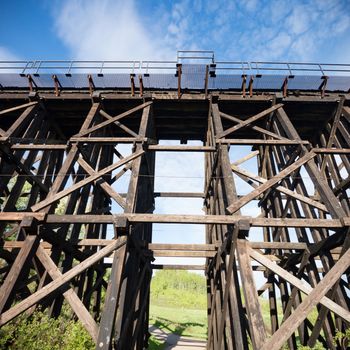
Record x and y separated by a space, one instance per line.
144 67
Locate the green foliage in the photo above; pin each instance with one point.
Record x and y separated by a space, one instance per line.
39 332
179 289
178 305
61 206
182 280
343 339
318 346
22 201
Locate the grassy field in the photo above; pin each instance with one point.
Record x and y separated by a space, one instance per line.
182 321
178 305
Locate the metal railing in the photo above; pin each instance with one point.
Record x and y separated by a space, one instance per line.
193 56
147 67
68 67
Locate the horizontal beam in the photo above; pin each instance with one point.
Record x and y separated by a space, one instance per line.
108 140
164 148
278 245
177 267
188 247
163 246
171 95
179 194
184 253
332 150
89 242
260 142
39 147
178 219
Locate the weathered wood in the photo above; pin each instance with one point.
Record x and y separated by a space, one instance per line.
105 334
228 292
119 124
258 142
184 253
254 127
112 120
249 120
269 183
332 150
245 158
300 240
177 267
335 124
16 108
20 265
108 140
165 246
281 189
179 194
21 120
302 311
72 298
104 185
23 168
82 183
164 148
181 219
302 285
326 193
59 282
256 325
39 147
190 247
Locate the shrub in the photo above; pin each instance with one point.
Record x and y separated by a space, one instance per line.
40 332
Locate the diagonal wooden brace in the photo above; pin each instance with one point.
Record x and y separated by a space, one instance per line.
301 312
269 183
250 120
59 282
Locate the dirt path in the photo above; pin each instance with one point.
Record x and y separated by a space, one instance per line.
177 342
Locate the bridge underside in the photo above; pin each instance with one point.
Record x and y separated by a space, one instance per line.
68 233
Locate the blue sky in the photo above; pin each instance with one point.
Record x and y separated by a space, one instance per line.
314 31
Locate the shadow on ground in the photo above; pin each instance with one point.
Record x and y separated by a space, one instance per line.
168 335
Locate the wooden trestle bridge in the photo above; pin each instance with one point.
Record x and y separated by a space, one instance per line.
59 164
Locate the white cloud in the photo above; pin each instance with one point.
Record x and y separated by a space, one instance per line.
341 25
251 5
7 55
299 20
304 46
275 30
107 30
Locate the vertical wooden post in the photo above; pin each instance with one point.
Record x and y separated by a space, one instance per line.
179 73
256 322
106 331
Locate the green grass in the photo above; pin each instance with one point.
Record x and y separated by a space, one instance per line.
155 344
178 305
181 321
